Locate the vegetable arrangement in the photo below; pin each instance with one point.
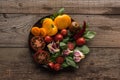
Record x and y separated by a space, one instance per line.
60 42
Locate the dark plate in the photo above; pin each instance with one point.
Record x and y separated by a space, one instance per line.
38 24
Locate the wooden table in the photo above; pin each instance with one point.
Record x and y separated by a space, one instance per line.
17 18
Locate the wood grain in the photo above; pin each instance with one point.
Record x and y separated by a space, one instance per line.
103 16
101 64
50 6
15 28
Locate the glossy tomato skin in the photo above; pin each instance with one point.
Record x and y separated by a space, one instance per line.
80 41
57 67
60 59
48 39
51 65
70 45
58 37
64 32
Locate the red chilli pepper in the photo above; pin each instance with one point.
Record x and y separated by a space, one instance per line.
79 34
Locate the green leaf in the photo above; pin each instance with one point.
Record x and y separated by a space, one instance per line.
62 44
89 34
52 17
83 49
55 15
64 65
61 11
70 62
66 39
54 56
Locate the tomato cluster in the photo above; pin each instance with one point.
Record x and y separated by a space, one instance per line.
55 42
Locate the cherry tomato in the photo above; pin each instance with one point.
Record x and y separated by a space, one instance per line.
51 65
64 32
48 39
80 41
57 67
70 45
60 59
58 37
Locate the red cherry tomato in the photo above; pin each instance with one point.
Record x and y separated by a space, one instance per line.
58 37
70 45
51 65
64 32
60 60
48 39
57 67
80 41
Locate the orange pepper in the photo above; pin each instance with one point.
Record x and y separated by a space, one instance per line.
47 24
43 32
35 31
62 21
53 31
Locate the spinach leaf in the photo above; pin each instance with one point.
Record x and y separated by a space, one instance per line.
89 34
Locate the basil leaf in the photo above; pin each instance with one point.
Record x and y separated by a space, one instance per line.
62 44
66 39
61 11
52 17
54 56
70 62
64 65
90 34
83 49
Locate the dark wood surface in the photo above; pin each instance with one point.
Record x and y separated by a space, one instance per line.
71 6
18 16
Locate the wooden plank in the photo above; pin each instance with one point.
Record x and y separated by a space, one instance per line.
101 64
15 28
71 6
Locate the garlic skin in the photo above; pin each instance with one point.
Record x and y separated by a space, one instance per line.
53 47
78 56
67 52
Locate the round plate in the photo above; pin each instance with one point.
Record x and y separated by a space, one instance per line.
39 24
